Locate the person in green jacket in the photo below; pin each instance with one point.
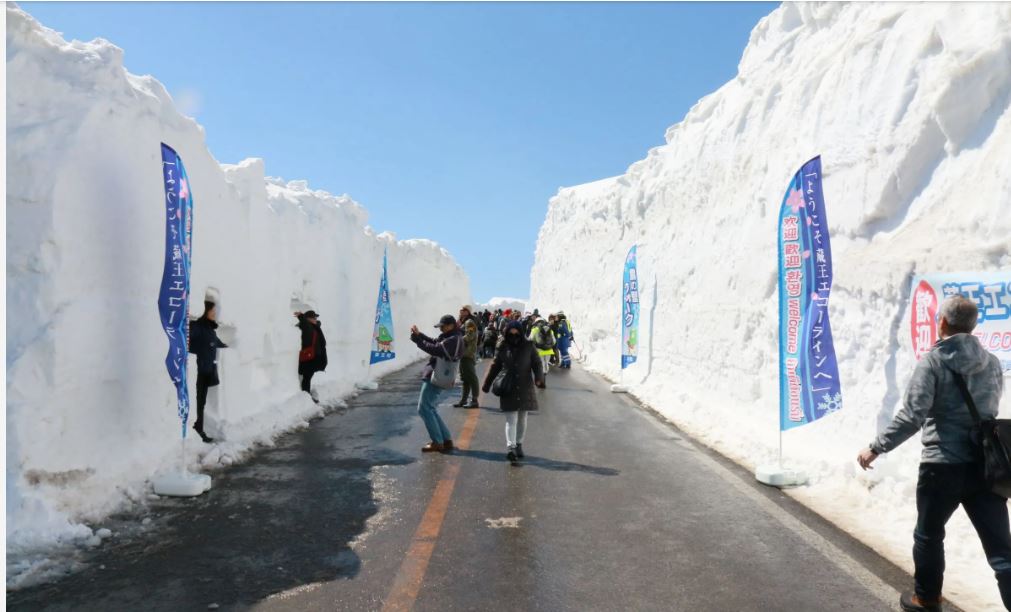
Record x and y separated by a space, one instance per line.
468 371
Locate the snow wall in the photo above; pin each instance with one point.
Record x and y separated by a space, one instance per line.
91 412
909 107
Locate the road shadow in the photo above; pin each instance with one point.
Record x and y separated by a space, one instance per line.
540 462
283 518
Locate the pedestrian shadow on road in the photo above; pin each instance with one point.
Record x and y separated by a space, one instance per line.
540 462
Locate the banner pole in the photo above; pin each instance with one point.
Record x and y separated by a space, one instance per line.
780 447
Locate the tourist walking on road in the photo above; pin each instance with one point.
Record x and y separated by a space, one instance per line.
204 343
312 357
517 360
951 466
565 338
439 374
488 341
468 373
544 341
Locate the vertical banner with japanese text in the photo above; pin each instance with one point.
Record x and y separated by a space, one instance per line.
173 299
809 376
990 290
382 330
629 311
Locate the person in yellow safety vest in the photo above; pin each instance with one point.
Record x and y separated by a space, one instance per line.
544 341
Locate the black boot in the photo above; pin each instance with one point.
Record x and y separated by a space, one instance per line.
519 451
511 456
461 403
200 431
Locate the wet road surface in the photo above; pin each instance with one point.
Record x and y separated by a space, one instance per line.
612 509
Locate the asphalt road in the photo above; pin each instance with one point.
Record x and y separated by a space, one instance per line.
613 509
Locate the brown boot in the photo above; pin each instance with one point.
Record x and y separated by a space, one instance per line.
447 446
433 447
911 602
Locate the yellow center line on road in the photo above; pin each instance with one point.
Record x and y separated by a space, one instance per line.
407 582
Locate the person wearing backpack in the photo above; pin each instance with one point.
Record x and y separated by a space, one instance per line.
312 357
468 373
956 371
544 341
512 376
488 341
439 375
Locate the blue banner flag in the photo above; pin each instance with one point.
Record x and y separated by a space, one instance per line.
174 297
629 311
382 331
808 373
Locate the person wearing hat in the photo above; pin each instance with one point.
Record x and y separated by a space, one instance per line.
467 314
204 343
449 345
518 357
312 357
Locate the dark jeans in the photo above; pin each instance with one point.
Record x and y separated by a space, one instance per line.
204 382
307 380
469 377
941 488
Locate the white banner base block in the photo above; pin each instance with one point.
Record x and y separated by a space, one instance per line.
776 475
368 385
181 484
619 389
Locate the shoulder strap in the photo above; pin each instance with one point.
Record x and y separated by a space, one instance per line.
965 394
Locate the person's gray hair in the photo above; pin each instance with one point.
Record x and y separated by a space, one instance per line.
961 314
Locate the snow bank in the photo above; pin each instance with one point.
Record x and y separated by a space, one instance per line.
91 413
908 106
504 303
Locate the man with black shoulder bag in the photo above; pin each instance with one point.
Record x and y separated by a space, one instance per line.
953 397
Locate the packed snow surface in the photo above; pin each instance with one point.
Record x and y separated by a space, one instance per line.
91 412
908 105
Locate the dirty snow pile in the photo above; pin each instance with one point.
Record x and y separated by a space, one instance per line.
908 105
91 412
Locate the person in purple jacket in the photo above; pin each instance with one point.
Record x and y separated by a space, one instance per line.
447 346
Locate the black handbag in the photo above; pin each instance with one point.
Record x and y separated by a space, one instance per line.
505 383
995 435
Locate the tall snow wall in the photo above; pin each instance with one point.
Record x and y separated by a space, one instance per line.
908 107
91 412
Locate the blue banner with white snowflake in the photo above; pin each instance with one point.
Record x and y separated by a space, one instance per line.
382 330
809 375
629 311
174 297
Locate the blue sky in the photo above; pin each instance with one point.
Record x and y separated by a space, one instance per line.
455 122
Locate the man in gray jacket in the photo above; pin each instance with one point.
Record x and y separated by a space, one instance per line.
951 466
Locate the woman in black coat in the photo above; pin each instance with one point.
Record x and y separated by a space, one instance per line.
204 343
516 356
312 357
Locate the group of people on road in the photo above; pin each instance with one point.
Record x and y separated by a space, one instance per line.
955 390
522 349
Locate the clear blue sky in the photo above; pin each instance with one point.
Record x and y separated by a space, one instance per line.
455 122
